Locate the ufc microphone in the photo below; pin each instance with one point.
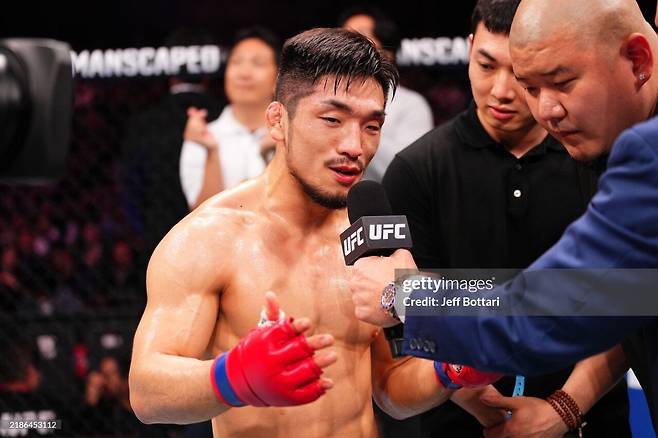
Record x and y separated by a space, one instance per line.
375 231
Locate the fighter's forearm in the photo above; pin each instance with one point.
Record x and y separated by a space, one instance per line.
593 377
408 387
172 389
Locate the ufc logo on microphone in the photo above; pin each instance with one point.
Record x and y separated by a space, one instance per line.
379 231
353 241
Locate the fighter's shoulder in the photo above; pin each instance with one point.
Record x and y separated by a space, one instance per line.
215 224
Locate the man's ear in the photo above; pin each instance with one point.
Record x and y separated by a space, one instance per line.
470 44
276 115
636 49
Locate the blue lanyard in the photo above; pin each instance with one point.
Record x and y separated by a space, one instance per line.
519 386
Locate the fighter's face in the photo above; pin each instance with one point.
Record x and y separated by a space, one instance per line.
332 137
499 98
250 73
579 95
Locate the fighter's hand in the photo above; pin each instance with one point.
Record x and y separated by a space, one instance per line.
531 417
274 366
368 278
462 376
196 129
272 312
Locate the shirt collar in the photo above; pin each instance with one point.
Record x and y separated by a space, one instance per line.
471 132
228 120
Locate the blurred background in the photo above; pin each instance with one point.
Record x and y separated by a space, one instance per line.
73 253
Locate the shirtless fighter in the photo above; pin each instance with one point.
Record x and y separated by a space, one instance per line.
207 279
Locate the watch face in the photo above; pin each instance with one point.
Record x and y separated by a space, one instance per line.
388 297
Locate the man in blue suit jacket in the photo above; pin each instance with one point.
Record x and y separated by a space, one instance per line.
588 70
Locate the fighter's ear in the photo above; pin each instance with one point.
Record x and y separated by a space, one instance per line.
276 115
637 49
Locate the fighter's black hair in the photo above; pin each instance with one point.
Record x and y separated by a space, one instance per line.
340 54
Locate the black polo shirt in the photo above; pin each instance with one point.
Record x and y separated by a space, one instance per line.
472 204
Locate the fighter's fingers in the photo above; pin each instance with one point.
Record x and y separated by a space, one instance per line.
318 342
301 325
325 359
312 391
326 383
272 306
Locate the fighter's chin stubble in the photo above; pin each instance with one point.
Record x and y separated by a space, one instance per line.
317 195
324 199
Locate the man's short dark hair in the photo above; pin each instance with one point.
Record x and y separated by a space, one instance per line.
322 52
385 29
496 15
259 33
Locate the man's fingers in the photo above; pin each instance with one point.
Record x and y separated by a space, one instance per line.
317 342
272 307
325 359
498 401
497 431
301 325
326 383
196 112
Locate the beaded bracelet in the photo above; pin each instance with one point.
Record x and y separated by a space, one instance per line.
568 410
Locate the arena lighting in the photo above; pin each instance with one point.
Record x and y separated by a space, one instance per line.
36 101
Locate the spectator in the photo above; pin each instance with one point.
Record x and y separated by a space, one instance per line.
231 149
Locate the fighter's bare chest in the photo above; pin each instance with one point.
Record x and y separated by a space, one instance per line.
312 283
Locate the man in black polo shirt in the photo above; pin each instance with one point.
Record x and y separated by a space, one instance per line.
480 192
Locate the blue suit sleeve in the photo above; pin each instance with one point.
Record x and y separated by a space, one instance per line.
618 230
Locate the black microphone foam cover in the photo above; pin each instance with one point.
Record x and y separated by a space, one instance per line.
367 198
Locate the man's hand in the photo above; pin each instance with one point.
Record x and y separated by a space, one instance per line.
368 278
531 417
469 400
274 365
196 129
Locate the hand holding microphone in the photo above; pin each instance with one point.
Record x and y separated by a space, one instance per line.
374 244
364 244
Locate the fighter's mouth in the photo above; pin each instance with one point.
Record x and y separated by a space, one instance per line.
346 170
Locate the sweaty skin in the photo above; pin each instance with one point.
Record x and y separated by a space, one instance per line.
264 235
307 272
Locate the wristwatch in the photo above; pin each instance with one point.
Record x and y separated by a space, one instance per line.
388 300
394 335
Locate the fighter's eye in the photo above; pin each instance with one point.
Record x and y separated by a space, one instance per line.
331 120
485 66
373 128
